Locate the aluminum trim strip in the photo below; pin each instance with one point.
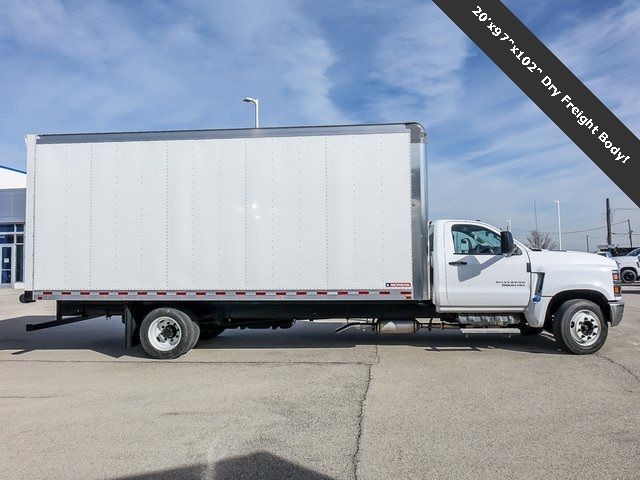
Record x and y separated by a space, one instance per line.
56 138
419 226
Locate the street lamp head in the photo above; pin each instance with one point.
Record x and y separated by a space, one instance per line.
256 106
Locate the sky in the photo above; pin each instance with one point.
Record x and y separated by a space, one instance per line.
82 66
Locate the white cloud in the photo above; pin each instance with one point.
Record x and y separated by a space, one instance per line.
88 66
420 59
603 53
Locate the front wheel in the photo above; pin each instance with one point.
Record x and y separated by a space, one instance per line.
579 327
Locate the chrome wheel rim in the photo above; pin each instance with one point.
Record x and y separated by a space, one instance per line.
585 328
164 334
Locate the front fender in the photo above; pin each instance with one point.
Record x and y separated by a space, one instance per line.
536 312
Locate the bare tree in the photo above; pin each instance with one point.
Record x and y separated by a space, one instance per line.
541 240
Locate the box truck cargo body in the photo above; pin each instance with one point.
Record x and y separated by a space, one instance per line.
187 233
271 211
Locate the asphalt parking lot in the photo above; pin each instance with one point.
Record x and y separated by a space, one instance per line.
308 403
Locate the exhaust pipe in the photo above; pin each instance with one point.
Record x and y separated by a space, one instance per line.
397 326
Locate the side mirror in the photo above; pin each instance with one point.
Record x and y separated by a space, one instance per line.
507 245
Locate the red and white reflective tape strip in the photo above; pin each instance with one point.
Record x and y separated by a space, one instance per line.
220 293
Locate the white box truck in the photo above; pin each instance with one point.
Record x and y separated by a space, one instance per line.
188 233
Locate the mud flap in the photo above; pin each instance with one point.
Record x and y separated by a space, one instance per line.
131 328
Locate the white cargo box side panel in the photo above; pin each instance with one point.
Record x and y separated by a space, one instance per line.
221 242
61 210
286 213
274 213
368 216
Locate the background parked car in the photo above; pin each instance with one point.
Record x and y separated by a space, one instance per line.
629 266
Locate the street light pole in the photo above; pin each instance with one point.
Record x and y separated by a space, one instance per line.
509 225
256 104
588 249
557 202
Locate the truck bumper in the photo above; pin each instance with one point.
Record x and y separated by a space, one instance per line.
617 310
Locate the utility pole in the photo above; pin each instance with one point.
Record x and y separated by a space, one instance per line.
608 213
630 233
588 249
508 225
535 214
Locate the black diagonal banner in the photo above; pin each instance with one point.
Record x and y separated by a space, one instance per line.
551 86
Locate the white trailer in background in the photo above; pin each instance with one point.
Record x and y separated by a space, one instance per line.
188 233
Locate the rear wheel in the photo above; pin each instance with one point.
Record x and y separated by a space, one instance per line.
195 323
166 333
579 327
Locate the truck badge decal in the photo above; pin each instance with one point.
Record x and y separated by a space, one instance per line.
511 283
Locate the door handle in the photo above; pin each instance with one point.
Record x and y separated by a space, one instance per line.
459 262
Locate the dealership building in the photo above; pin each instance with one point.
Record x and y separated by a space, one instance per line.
12 215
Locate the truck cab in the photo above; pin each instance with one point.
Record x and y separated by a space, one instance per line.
482 276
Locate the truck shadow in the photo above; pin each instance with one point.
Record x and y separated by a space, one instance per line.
310 335
98 334
107 338
258 465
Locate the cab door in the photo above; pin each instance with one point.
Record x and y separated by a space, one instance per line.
478 274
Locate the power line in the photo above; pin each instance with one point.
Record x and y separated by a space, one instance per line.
596 228
574 231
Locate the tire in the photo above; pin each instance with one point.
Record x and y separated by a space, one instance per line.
527 330
196 328
208 331
628 275
166 333
196 333
579 327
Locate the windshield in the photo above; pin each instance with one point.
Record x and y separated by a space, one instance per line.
634 253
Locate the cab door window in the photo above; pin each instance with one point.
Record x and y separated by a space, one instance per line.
475 240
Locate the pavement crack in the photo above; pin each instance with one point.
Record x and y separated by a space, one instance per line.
355 460
624 367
